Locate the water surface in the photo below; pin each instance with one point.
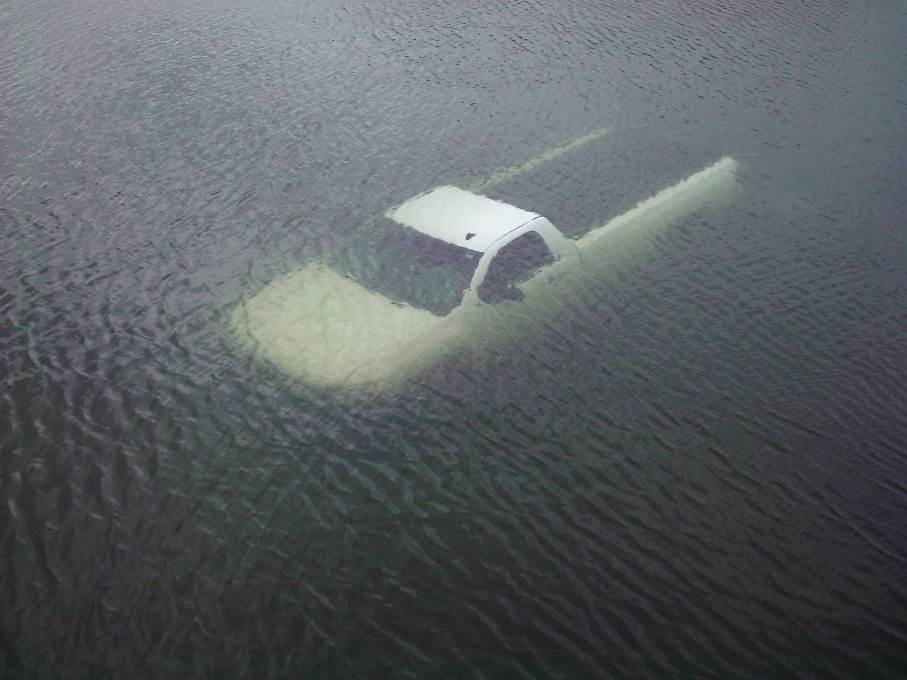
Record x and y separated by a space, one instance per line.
695 470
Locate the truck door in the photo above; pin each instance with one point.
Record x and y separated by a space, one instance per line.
514 263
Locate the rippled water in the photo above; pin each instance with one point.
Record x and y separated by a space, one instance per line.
696 470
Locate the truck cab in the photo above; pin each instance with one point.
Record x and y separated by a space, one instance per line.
510 245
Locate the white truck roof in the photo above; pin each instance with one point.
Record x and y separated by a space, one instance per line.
460 217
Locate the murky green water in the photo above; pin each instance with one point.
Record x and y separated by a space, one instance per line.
693 469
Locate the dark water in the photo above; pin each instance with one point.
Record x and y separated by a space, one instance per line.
698 471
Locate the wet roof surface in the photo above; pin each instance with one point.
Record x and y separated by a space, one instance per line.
460 217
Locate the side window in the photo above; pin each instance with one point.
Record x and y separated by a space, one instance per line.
516 262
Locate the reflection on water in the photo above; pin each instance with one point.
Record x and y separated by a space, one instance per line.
690 470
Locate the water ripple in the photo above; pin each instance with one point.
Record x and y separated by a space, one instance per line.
692 469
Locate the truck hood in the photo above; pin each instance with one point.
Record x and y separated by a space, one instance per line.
322 327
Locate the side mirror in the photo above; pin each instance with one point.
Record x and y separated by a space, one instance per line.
500 292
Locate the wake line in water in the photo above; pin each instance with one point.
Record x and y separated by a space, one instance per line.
540 160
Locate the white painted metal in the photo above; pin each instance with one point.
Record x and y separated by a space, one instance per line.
460 217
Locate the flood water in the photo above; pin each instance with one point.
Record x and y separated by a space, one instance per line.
697 468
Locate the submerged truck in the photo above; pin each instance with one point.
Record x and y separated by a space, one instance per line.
464 267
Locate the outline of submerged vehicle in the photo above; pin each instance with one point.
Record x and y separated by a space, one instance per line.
325 328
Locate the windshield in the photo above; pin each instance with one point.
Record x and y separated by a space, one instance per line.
410 268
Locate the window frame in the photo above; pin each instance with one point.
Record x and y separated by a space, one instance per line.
556 242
